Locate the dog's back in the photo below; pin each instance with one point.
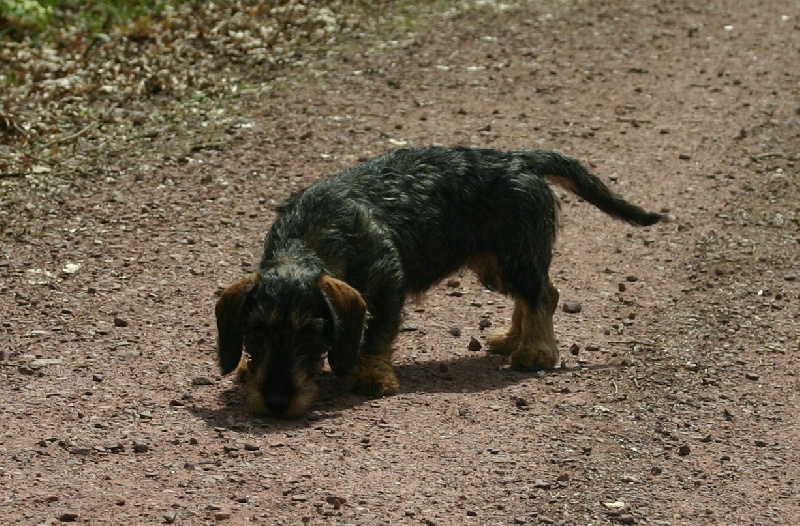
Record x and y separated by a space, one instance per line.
442 206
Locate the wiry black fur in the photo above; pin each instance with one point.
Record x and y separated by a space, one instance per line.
400 223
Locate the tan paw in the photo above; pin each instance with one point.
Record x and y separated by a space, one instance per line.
374 377
502 342
534 357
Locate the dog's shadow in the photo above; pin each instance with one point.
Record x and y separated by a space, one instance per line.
464 374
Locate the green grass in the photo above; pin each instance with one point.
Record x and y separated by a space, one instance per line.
41 19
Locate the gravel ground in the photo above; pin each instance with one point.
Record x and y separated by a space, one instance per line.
124 213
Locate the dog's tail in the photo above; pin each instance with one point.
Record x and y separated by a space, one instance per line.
573 176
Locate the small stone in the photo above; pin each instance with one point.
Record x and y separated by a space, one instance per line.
97 378
409 513
622 287
474 345
574 349
564 477
222 515
335 501
684 157
626 518
572 307
656 470
455 331
68 517
631 279
541 484
751 376
453 283
251 447
790 277
120 322
593 348
472 513
202 380
140 446
484 323
760 443
684 450
520 403
299 498
169 517
409 327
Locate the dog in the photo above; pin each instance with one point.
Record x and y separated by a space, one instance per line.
343 255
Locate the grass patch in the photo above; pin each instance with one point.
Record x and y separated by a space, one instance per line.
42 19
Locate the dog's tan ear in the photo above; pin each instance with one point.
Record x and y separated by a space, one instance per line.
349 313
229 322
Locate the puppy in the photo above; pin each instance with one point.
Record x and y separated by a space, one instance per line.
343 255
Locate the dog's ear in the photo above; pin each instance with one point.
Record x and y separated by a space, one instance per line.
349 313
229 322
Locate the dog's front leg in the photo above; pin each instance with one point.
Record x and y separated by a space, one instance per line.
374 374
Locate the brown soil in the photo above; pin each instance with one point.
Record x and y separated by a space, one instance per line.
677 399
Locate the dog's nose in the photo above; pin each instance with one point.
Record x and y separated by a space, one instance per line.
277 403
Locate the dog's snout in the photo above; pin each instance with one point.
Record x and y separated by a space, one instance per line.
277 403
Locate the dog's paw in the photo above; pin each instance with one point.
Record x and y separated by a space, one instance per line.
502 342
534 357
374 377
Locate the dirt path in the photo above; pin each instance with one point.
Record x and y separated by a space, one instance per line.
677 405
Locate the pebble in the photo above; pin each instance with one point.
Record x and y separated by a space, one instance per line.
169 517
622 287
485 323
251 447
222 516
751 376
455 331
202 380
626 518
684 450
140 446
632 279
572 307
68 517
474 345
120 322
574 349
541 484
335 501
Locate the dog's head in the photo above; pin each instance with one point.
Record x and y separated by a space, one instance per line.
287 322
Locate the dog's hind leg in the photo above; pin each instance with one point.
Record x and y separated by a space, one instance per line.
537 347
506 342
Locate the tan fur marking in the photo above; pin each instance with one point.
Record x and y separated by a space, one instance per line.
538 348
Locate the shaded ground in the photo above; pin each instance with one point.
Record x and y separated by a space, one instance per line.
678 405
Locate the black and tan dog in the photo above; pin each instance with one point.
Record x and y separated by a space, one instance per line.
344 253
